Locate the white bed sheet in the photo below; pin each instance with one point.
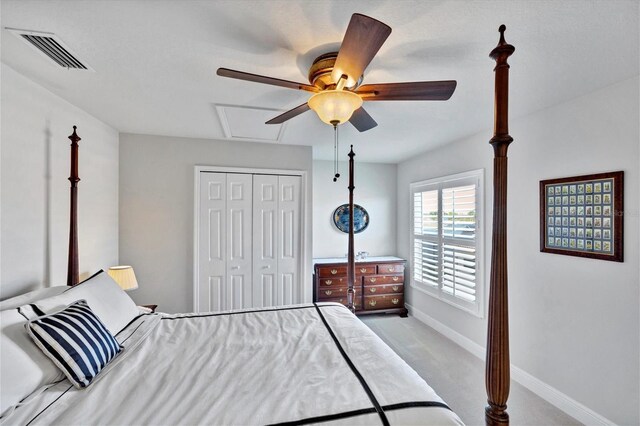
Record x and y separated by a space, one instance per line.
253 367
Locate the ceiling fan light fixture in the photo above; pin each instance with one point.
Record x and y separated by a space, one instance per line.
335 105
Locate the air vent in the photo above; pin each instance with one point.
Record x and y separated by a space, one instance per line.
52 47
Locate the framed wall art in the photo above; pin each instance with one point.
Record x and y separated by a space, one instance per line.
583 216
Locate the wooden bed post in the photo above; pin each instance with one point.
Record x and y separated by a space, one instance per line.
72 270
498 378
351 263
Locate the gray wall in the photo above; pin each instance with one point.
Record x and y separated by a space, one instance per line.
156 206
375 191
35 190
574 322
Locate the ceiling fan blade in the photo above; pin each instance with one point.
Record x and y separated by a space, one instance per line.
361 42
289 114
411 91
362 121
240 75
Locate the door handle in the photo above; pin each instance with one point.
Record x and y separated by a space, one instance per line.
266 267
235 267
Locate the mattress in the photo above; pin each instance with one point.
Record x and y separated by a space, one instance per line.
302 364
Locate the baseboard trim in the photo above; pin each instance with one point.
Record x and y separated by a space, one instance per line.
550 394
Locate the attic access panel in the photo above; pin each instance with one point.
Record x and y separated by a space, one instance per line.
247 123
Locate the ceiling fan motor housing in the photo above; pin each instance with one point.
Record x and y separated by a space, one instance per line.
320 72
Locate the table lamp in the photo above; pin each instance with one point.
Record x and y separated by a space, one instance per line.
124 276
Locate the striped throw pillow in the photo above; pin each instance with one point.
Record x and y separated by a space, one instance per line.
76 341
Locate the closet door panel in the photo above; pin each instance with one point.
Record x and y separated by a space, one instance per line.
238 239
265 239
212 244
289 202
215 295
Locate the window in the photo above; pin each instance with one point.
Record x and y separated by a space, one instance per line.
446 239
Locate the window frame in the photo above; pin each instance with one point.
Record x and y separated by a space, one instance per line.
459 179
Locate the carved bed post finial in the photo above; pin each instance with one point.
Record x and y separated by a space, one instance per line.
351 263
72 269
497 379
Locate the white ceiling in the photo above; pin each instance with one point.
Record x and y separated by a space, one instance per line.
155 61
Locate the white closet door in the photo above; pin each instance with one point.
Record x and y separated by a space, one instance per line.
212 268
239 214
249 242
289 202
265 240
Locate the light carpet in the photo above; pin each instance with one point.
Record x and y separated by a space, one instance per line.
458 376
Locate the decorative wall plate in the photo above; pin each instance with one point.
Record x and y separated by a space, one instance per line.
360 218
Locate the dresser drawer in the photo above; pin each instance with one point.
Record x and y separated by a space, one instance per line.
370 290
390 268
332 271
334 282
383 279
332 293
343 300
385 301
365 270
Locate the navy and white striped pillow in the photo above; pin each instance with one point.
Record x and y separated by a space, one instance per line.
76 341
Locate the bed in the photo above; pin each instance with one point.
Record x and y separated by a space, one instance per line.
301 364
287 365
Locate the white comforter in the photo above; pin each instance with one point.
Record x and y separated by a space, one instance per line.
254 367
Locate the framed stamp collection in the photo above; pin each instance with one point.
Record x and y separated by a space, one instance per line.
583 216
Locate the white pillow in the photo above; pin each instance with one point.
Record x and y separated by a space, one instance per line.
24 368
32 296
107 300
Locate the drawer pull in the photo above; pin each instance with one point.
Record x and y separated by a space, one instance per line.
395 301
372 303
328 292
373 280
328 282
334 271
395 288
395 278
391 268
363 270
372 289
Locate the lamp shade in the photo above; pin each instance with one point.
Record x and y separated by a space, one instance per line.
335 105
124 276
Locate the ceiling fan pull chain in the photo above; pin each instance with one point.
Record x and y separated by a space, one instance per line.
335 152
337 155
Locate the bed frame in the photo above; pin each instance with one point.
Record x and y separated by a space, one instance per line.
497 374
73 265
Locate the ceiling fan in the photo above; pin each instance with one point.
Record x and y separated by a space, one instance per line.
336 80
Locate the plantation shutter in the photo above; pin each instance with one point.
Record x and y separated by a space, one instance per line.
426 242
459 245
445 238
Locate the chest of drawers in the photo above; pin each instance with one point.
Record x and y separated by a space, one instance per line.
379 284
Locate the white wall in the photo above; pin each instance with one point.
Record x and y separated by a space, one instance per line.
156 206
375 190
574 322
35 189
